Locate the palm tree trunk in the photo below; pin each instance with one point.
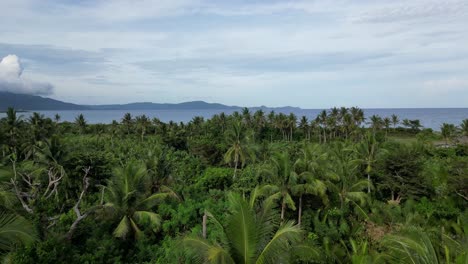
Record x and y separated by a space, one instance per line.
368 183
235 166
299 214
204 225
283 209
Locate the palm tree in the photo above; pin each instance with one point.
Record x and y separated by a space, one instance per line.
386 123
375 123
307 167
367 153
281 180
322 120
343 182
130 198
406 123
13 125
238 151
248 236
246 116
464 127
80 121
57 118
127 121
14 230
395 120
413 246
142 123
304 126
448 131
291 124
259 119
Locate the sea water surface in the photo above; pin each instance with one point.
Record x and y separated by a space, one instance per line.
429 117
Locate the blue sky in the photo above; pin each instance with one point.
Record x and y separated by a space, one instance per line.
312 54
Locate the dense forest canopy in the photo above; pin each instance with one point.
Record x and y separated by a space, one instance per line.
251 187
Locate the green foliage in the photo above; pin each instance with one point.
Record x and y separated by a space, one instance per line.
140 190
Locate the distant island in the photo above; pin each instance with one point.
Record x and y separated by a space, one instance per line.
24 102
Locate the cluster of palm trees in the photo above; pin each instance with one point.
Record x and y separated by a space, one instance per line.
450 131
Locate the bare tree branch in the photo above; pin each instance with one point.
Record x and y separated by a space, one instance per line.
76 208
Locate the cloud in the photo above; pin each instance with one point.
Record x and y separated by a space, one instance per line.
445 86
11 79
407 11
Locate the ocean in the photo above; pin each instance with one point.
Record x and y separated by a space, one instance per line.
429 117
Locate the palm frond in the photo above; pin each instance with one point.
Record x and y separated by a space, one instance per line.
278 247
241 229
14 230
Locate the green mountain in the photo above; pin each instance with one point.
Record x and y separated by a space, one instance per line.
38 103
32 102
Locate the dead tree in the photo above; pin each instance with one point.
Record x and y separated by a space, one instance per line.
76 208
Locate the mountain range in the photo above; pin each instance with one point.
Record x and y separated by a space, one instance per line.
24 102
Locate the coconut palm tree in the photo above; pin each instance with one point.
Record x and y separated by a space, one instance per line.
238 151
386 123
246 116
13 126
368 151
248 236
14 230
413 246
341 172
464 127
281 179
448 131
127 121
142 124
322 119
80 121
259 119
129 197
57 118
395 120
304 126
375 123
307 168
291 124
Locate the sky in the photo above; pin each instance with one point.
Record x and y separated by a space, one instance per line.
310 54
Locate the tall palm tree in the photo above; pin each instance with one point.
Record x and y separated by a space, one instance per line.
395 120
368 151
291 124
14 230
248 236
80 121
57 118
307 168
142 123
322 119
129 197
342 175
246 116
448 131
464 127
281 180
375 123
259 119
304 126
13 126
127 121
238 151
386 123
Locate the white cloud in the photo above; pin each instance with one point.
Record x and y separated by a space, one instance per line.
11 79
445 86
